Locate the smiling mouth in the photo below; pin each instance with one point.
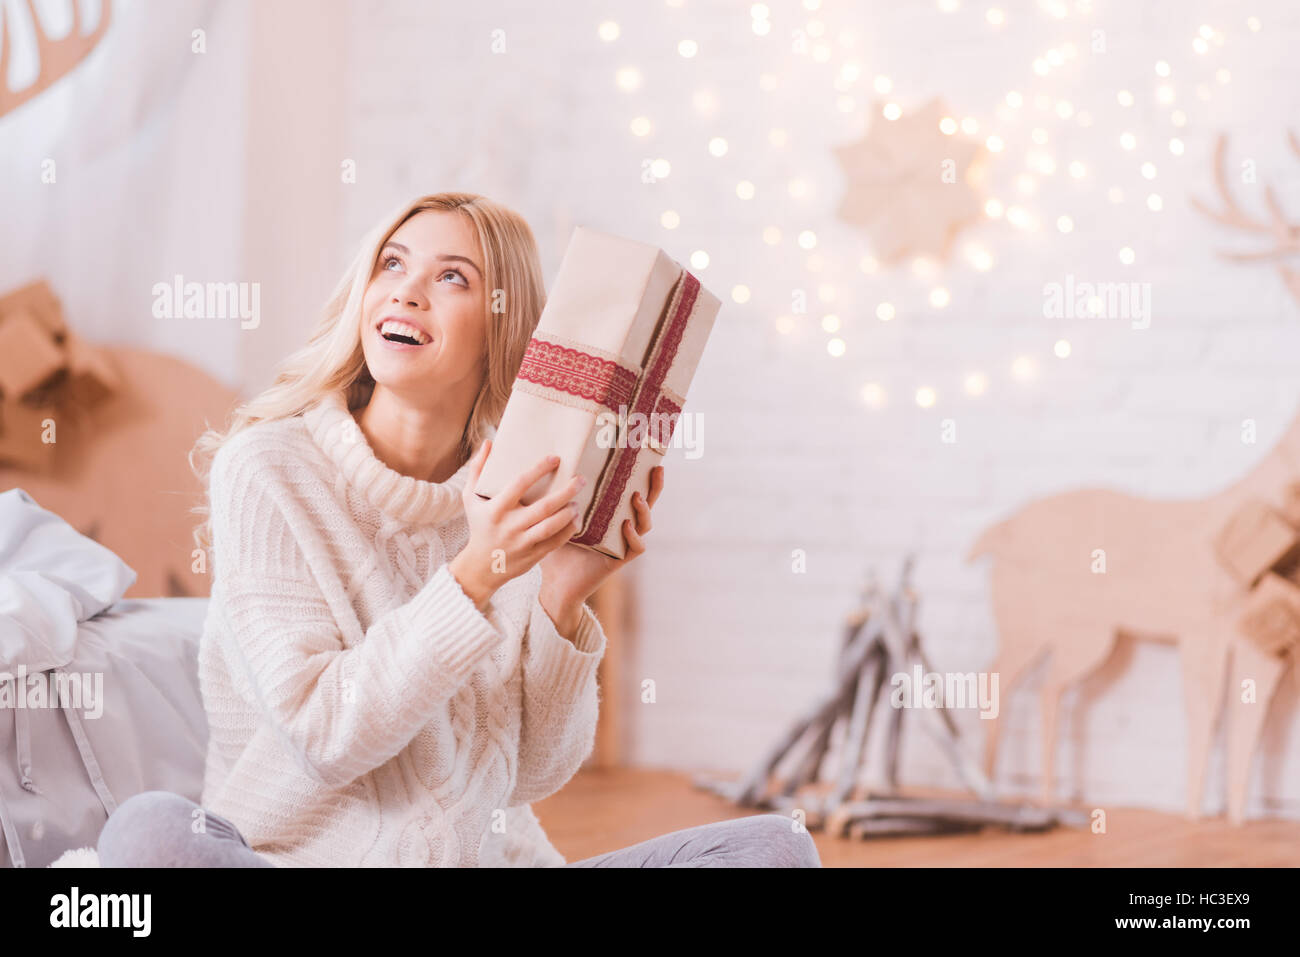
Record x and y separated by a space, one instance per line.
403 333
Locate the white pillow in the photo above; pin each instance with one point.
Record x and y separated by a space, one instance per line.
51 578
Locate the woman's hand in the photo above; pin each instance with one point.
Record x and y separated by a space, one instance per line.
506 539
571 573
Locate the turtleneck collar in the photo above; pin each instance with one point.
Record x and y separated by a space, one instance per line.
403 497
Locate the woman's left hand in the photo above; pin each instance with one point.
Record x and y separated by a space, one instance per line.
572 572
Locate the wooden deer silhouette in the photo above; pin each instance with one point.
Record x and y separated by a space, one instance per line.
56 58
1074 572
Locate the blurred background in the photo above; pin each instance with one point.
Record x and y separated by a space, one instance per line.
882 194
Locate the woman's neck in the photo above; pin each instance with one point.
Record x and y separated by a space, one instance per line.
421 441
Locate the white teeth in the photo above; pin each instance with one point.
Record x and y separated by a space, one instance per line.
396 327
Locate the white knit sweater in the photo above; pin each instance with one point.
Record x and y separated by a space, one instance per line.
362 711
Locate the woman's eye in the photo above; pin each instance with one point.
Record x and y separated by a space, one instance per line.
453 272
390 260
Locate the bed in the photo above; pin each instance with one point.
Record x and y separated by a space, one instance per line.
99 694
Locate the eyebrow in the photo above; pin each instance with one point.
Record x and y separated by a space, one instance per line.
445 257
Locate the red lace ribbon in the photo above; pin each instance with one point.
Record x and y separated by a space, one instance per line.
578 373
648 398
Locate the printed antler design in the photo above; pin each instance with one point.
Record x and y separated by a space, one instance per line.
1285 235
56 57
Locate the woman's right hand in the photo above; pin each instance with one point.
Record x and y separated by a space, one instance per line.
506 538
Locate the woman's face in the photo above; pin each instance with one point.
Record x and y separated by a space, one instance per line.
429 278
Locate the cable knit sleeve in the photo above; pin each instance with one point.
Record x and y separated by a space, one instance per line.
342 711
561 703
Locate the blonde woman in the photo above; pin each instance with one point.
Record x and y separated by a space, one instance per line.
392 668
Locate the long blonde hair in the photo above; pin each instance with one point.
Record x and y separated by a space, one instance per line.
333 358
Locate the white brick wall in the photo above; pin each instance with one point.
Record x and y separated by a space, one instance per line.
736 643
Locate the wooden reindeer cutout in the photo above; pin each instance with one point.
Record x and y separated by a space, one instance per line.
1074 572
56 57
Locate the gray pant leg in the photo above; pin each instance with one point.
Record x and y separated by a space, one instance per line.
762 840
162 829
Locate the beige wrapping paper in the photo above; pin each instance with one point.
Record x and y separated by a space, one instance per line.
604 379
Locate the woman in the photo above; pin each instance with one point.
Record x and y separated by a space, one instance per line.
393 668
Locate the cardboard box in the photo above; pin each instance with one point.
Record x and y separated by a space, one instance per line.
1272 618
1256 539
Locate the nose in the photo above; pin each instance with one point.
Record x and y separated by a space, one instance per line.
410 294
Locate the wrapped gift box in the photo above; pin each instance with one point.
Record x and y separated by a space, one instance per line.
604 379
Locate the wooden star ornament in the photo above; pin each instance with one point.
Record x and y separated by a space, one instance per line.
910 185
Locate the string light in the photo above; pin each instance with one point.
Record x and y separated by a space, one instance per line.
885 311
1062 348
976 383
669 219
660 168
835 347
1149 170
1064 223
1126 256
608 31
700 259
883 85
718 146
892 111
745 189
1155 203
873 394
771 235
628 79
939 297
740 294
831 322
925 397
688 48
807 239
640 126
948 126
1176 146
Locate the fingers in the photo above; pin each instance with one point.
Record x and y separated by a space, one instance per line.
635 546
641 511
549 503
513 492
566 521
656 483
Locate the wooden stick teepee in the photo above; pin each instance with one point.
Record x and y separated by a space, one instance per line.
880 640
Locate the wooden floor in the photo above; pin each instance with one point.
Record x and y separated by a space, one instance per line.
600 811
